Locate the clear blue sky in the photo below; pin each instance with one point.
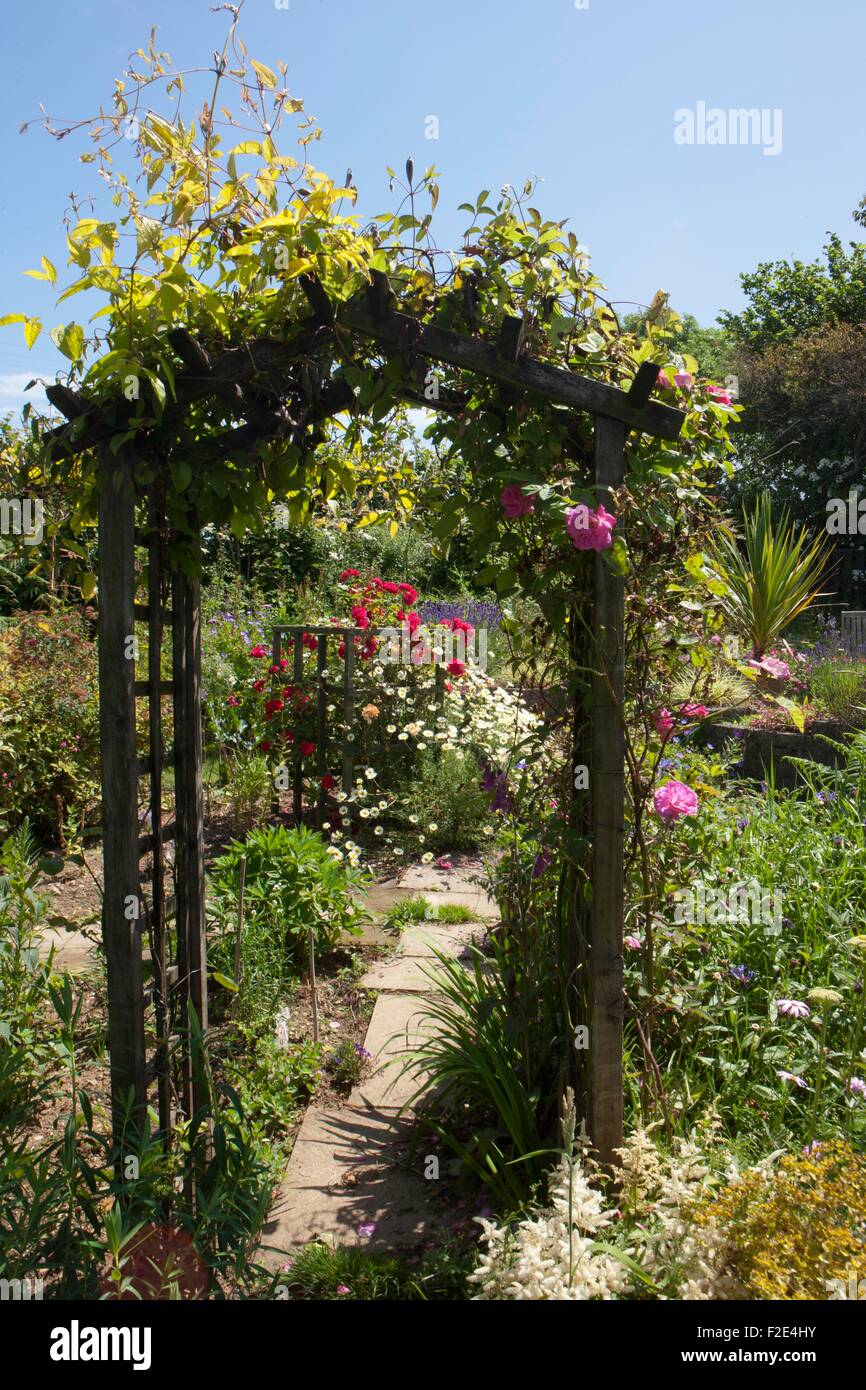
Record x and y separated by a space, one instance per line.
584 98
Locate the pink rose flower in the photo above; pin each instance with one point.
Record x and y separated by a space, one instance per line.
663 723
515 502
690 711
662 380
675 799
360 616
719 396
590 529
771 666
632 943
683 380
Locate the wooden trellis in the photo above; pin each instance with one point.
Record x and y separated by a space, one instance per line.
235 378
344 690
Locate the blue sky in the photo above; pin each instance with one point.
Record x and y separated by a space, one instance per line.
585 98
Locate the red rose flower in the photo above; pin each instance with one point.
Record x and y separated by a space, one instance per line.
456 668
264 746
390 588
360 616
328 782
258 685
307 748
258 651
350 574
272 707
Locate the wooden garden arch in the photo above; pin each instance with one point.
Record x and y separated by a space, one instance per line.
234 376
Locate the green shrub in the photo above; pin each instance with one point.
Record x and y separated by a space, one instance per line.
49 722
273 1082
321 1272
294 885
447 795
839 691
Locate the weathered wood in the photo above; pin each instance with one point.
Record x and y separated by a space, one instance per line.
395 331
143 689
298 780
607 790
189 816
142 614
156 916
644 381
190 352
348 710
68 402
512 332
321 723
318 297
121 931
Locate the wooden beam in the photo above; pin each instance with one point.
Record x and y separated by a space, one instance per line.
68 402
644 381
512 332
318 297
395 330
121 931
607 796
189 818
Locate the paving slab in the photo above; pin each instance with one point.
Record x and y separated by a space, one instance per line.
345 1172
72 950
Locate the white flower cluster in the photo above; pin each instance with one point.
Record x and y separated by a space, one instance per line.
552 1256
493 719
556 1254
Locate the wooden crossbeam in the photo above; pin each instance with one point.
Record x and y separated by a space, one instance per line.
394 330
512 332
645 379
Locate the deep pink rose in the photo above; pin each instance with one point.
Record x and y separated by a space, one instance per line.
694 711
515 501
662 380
675 799
772 666
663 722
683 380
719 396
590 529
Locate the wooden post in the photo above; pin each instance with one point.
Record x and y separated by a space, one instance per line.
321 723
348 709
189 815
298 778
121 903
157 923
607 787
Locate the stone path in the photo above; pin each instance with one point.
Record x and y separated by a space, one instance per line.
345 1170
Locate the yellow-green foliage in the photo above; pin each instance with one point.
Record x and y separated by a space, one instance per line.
799 1228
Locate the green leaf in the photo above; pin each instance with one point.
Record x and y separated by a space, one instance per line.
87 586
181 475
265 76
224 981
69 340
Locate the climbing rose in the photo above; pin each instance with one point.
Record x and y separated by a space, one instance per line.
233 701
456 668
390 588
258 686
694 711
590 529
722 397
307 748
409 593
272 707
675 799
683 380
663 723
360 616
350 574
264 746
771 666
662 379
515 502
258 651
328 782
